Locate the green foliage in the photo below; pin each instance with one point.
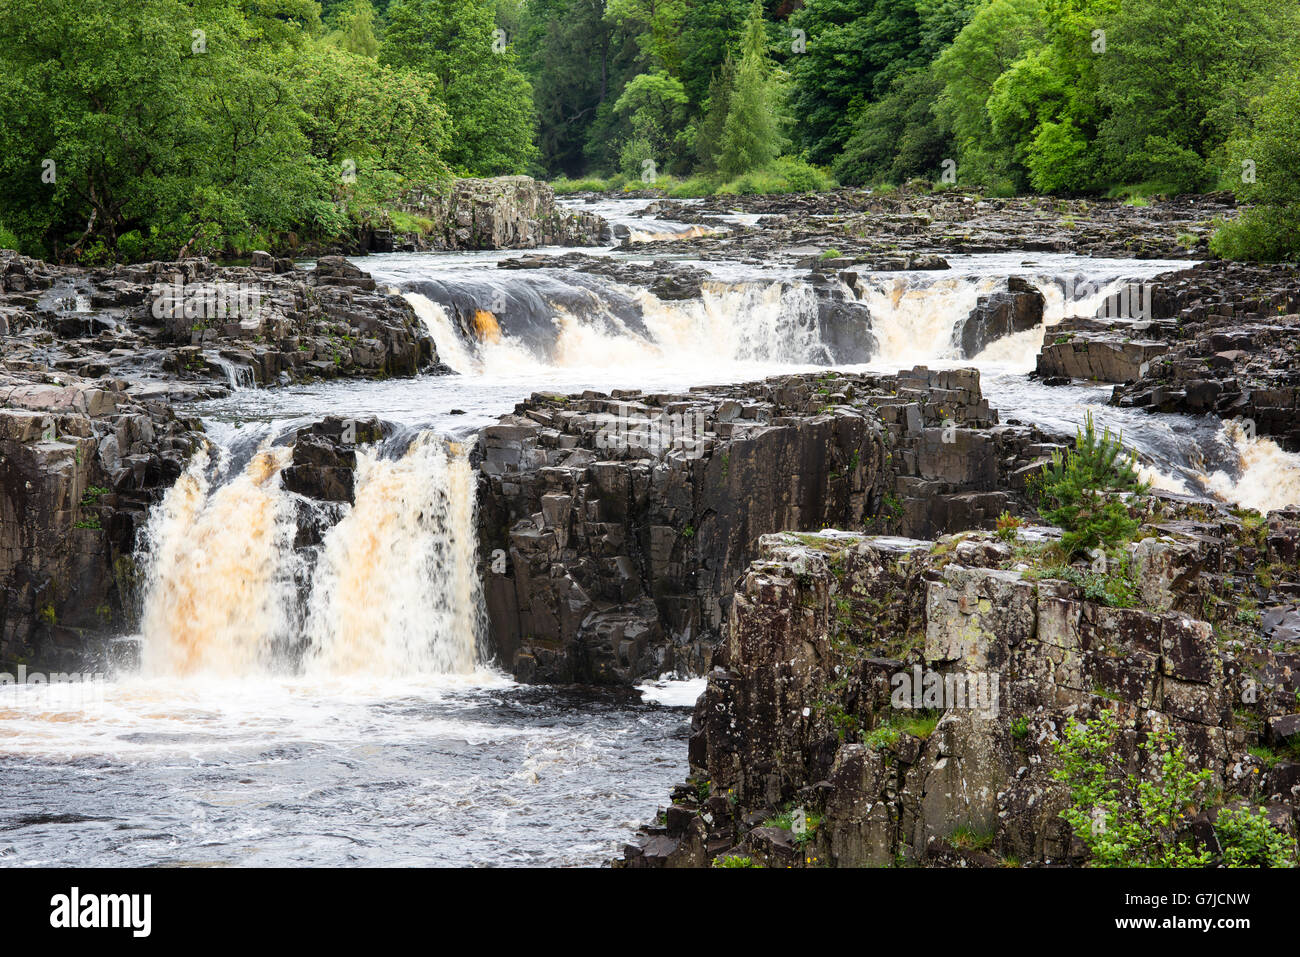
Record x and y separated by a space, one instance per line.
355 28
1008 527
751 134
1126 820
1080 491
1269 152
735 860
166 141
1176 80
898 136
655 107
1248 839
855 50
489 99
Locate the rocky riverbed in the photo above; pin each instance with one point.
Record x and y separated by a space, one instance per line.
801 537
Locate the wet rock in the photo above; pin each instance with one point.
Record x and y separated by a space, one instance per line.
612 528
804 710
1018 309
81 462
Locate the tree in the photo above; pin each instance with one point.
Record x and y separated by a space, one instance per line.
1176 80
655 105
1080 491
355 28
578 62
752 136
707 134
855 48
898 136
657 26
1262 161
474 76
1000 34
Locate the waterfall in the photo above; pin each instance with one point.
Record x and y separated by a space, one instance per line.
774 322
396 590
393 591
218 590
451 347
1267 477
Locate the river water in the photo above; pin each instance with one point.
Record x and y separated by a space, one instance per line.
390 739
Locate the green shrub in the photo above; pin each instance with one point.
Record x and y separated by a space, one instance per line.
1249 839
7 239
735 860
590 184
1126 821
130 246
1080 491
1267 234
693 188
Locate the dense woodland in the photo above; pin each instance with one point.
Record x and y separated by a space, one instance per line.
152 128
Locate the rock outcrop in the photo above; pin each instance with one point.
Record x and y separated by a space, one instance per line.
504 212
81 461
613 527
1218 337
876 229
997 315
803 715
212 326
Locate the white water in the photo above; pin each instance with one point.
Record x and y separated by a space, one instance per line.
733 329
394 591
1267 477
218 586
385 739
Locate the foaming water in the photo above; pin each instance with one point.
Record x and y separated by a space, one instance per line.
329 706
747 326
1265 476
262 770
395 590
218 590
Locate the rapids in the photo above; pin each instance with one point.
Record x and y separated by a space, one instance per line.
356 720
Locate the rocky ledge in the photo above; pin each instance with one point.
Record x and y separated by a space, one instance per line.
503 212
1194 634
195 327
866 227
81 461
1218 337
614 526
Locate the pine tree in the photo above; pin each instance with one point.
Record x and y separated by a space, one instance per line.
356 32
751 135
1080 490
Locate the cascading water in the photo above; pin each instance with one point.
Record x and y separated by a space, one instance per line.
330 702
218 590
394 590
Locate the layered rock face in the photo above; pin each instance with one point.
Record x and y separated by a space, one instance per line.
91 359
820 705
866 227
80 462
1219 337
504 212
195 322
613 527
999 314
